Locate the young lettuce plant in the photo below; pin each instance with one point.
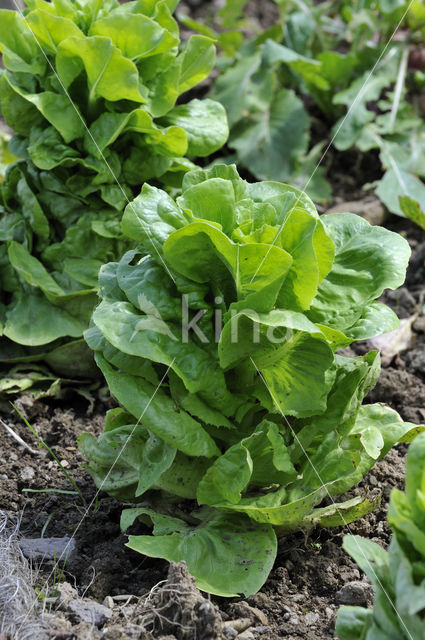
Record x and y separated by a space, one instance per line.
398 575
90 88
218 338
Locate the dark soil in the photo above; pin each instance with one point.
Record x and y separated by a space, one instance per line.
302 594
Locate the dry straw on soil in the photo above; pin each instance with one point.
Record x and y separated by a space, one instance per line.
18 618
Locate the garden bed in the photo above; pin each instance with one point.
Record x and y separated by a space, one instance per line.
312 575
98 588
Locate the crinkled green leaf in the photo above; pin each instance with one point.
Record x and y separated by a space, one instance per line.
136 36
359 273
109 74
257 271
49 29
151 217
157 412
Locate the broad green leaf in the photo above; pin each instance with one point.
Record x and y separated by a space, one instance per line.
58 109
292 363
19 114
198 199
194 405
415 478
156 411
354 377
197 61
136 36
270 141
235 463
26 321
205 124
171 141
31 209
368 260
109 74
129 364
163 89
224 171
151 217
276 509
183 476
49 29
115 459
72 360
398 183
240 557
283 197
146 287
257 271
47 149
83 270
32 270
245 87
261 459
105 130
148 337
21 53
376 319
299 235
353 622
412 210
368 554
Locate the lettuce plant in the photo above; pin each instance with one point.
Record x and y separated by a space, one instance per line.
90 88
217 335
339 60
398 575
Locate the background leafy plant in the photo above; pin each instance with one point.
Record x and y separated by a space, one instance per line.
327 72
90 88
257 431
398 575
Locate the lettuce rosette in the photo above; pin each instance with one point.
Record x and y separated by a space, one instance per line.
218 335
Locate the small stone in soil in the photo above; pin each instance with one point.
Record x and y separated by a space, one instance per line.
354 593
294 619
329 613
65 592
90 611
311 618
27 474
47 548
108 602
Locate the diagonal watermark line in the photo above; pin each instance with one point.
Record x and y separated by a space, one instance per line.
361 93
93 500
102 155
340 512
